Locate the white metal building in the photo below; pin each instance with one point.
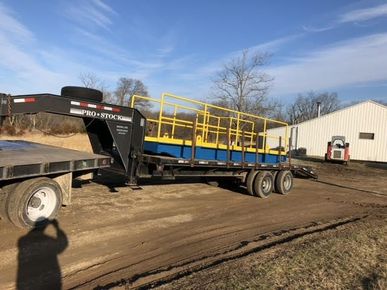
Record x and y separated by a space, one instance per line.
364 126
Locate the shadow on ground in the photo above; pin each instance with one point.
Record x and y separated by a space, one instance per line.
38 265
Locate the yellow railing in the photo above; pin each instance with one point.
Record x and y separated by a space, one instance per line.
178 120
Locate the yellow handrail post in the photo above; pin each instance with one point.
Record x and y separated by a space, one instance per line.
174 122
286 138
264 136
207 127
252 135
217 131
237 129
229 133
132 101
204 122
160 116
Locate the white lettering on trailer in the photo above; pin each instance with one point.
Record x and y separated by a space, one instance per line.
108 116
122 130
127 119
76 111
89 113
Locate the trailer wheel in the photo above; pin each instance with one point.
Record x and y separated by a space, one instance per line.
3 198
250 181
34 202
284 182
263 184
4 193
82 93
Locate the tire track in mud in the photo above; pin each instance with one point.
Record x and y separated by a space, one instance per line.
170 273
350 187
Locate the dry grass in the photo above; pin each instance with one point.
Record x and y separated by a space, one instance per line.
76 142
352 257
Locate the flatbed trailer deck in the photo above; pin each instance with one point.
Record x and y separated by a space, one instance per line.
35 179
22 159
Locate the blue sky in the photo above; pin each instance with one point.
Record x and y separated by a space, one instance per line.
178 46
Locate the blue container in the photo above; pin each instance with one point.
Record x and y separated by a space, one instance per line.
203 153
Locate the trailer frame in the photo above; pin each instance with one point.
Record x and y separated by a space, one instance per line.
116 134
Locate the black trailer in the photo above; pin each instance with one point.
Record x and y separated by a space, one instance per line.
35 179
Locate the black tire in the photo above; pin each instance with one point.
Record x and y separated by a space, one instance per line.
3 211
24 204
4 193
263 184
284 182
82 93
250 181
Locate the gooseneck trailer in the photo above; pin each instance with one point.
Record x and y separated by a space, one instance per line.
181 138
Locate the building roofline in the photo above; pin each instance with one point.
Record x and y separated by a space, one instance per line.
340 110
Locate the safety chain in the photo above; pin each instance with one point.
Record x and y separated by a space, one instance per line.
9 105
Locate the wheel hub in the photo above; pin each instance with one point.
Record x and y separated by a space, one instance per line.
266 185
287 182
35 202
42 204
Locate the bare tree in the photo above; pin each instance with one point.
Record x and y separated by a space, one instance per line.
306 106
242 85
90 80
126 88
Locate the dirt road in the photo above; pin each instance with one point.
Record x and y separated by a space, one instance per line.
119 236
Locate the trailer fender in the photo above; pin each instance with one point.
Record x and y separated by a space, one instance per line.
65 183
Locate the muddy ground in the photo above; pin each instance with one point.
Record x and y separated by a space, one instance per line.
119 237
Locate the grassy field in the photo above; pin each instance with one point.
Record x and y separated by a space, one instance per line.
349 257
